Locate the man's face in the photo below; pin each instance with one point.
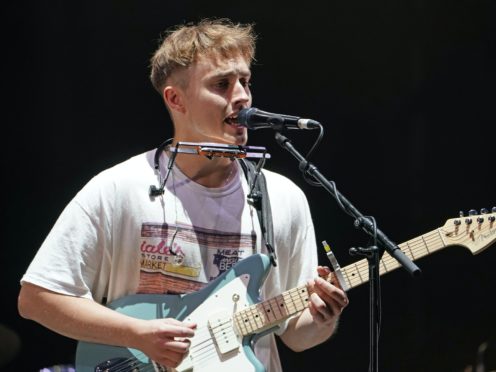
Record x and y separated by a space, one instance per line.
215 92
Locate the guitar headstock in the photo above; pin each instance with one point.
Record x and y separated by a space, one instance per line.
476 231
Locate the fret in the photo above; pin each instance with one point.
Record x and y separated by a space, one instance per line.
288 302
355 274
252 320
275 308
269 312
439 241
443 244
359 271
351 279
416 246
295 298
412 256
244 327
240 324
255 317
282 306
392 263
245 318
426 245
384 266
261 315
302 295
348 280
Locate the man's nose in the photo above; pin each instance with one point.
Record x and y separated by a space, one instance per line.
240 93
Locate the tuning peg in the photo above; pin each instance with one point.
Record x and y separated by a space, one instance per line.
461 214
472 212
484 211
494 209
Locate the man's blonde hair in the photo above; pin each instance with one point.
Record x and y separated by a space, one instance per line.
182 46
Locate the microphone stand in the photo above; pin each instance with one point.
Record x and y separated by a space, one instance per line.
373 253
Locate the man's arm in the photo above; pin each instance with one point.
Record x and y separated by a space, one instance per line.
86 320
317 322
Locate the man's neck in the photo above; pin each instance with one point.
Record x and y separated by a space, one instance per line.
215 172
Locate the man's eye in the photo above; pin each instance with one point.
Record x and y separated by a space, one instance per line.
223 84
245 83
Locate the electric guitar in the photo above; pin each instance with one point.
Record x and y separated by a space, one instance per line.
230 319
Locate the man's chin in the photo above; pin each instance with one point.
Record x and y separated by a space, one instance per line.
240 140
236 135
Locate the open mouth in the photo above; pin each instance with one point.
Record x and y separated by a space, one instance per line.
232 120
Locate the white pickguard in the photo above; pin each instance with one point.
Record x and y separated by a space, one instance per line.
205 352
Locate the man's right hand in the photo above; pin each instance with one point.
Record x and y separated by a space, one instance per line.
165 341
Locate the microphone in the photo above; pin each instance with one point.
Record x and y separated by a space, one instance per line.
253 118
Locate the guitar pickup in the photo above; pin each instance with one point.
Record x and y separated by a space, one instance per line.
222 330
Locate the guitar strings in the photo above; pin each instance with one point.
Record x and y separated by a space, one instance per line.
416 248
204 350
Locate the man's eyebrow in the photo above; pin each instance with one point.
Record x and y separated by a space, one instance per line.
228 73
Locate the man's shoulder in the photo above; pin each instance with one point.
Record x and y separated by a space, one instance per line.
278 178
281 185
133 166
143 161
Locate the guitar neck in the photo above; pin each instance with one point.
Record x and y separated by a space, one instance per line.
358 272
269 313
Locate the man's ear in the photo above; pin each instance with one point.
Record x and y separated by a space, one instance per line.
174 98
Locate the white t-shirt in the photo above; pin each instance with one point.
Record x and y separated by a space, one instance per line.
114 240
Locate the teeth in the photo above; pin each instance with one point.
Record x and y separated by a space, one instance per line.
231 119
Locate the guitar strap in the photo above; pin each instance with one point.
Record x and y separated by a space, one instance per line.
259 198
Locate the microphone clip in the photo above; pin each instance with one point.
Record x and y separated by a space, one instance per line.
154 191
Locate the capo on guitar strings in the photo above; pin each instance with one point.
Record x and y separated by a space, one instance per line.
335 267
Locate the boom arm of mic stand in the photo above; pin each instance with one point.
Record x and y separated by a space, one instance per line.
365 224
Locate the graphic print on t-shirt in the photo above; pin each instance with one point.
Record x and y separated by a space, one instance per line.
183 258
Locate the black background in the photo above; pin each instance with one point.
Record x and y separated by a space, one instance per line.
406 91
